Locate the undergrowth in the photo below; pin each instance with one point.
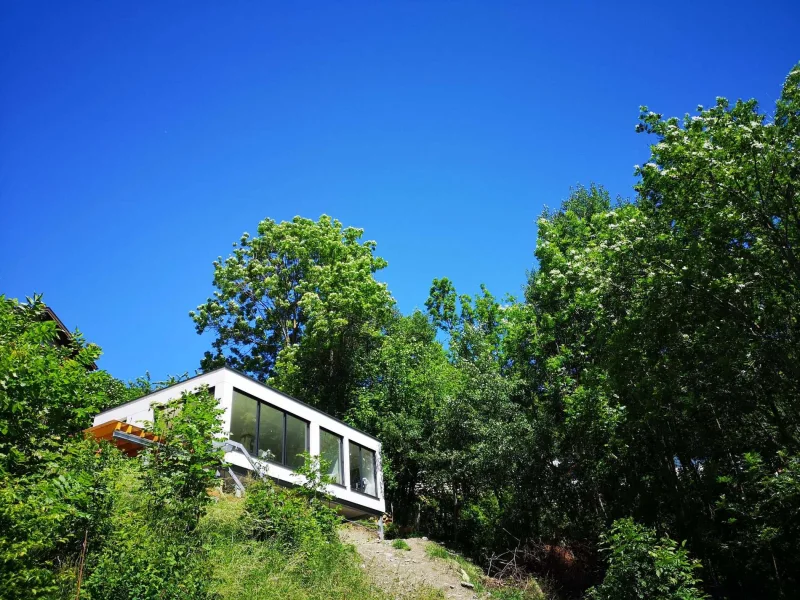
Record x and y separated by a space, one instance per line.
499 590
285 566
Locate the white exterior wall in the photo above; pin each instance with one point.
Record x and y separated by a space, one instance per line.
224 381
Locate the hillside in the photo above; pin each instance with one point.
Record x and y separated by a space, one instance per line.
359 568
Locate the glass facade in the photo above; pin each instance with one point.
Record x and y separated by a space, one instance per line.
296 441
330 450
270 433
362 470
267 432
244 417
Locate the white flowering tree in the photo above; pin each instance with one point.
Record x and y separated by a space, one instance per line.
660 343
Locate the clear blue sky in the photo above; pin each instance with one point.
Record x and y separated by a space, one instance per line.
139 140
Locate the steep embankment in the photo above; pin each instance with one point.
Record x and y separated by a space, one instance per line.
426 570
406 573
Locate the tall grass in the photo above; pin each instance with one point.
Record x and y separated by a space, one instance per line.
266 570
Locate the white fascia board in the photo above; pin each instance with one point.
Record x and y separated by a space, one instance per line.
138 411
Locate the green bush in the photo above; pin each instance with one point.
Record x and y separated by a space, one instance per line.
287 516
399 544
151 549
640 565
143 564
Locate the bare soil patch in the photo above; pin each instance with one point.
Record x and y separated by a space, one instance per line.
406 574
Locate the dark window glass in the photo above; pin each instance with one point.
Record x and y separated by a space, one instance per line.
296 443
355 467
270 433
330 450
243 421
362 470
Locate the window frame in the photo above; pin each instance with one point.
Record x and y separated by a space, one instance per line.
361 447
279 461
341 454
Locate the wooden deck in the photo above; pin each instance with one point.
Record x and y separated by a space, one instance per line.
128 438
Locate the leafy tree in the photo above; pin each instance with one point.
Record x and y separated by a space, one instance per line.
53 494
299 304
704 354
760 514
556 344
399 403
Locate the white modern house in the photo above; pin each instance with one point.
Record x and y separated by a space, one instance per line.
274 430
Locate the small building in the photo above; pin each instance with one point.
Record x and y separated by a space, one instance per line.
270 431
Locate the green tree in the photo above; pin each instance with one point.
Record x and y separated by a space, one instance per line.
400 402
53 494
298 304
704 355
555 342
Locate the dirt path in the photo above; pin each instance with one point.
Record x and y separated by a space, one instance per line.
405 573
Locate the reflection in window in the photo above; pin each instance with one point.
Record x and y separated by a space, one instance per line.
268 432
362 470
296 443
243 421
330 450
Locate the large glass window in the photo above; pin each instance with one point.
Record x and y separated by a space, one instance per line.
296 442
268 432
362 470
330 450
243 421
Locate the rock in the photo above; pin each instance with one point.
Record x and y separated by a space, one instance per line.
452 587
468 585
424 539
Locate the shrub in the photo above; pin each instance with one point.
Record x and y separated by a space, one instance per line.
287 516
182 467
399 544
640 565
152 550
145 563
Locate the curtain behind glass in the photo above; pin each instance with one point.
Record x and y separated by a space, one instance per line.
368 471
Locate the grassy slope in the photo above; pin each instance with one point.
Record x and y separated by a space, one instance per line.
243 568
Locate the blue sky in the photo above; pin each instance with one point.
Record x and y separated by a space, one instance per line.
139 140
